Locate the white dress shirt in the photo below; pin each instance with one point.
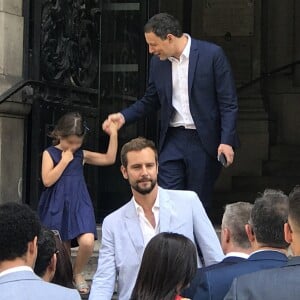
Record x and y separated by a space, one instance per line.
147 229
180 94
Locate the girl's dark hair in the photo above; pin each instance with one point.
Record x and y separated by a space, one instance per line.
169 264
46 250
69 124
63 273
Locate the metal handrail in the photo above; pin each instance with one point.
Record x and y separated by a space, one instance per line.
17 87
268 75
22 83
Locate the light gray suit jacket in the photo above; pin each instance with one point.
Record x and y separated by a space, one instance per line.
122 243
25 285
276 284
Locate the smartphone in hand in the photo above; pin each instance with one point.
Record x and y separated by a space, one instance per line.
222 159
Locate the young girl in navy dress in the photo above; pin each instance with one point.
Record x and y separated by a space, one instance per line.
65 204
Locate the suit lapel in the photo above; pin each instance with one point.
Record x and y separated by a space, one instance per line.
164 211
166 75
192 65
134 229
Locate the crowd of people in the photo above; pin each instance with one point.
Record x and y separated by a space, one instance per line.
161 245
260 242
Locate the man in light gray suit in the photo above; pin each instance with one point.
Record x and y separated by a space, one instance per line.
19 231
280 283
151 210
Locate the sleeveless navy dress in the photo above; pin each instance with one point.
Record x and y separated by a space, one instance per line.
66 205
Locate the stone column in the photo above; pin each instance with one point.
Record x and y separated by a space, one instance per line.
13 111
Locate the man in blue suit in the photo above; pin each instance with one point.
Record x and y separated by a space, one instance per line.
191 82
235 245
152 209
20 228
281 283
265 233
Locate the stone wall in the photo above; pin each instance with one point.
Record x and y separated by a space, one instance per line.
282 47
11 43
236 27
13 111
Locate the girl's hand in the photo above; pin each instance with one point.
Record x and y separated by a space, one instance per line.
116 118
112 128
67 156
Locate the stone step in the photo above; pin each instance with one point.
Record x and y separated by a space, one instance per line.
285 168
221 198
260 183
251 102
91 266
285 153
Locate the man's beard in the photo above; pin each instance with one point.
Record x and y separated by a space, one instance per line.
145 190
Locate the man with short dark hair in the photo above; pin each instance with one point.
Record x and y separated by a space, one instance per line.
266 236
20 228
191 82
126 232
235 244
280 283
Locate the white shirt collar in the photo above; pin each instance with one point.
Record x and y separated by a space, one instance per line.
16 269
237 254
187 48
139 207
186 51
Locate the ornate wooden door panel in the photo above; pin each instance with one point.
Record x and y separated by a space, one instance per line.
89 56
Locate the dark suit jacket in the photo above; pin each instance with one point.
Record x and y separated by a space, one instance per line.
275 284
212 96
218 281
198 288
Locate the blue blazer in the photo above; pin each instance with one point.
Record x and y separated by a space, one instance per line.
276 284
218 281
198 288
212 96
122 244
26 285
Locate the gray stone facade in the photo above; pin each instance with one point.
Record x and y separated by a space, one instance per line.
13 111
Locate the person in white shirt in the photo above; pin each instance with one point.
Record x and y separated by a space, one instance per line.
191 82
20 228
126 232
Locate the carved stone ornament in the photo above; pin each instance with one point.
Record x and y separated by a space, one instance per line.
70 41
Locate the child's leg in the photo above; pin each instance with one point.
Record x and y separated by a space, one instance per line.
86 243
